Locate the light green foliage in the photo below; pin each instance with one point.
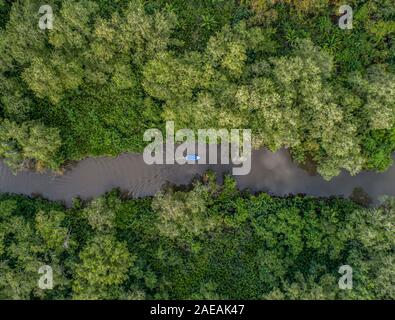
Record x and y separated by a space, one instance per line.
183 214
30 145
104 264
378 92
199 88
288 101
101 214
49 227
51 78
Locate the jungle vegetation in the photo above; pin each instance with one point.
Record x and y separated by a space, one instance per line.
207 241
109 70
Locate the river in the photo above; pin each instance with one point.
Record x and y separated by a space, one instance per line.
270 172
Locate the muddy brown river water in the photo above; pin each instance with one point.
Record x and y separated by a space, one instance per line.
270 172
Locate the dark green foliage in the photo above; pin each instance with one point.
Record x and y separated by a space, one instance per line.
5 6
199 20
379 144
211 242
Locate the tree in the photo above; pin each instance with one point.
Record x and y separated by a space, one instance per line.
182 215
101 214
27 249
103 267
30 145
49 225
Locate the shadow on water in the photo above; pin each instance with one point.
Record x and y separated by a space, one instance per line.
270 172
